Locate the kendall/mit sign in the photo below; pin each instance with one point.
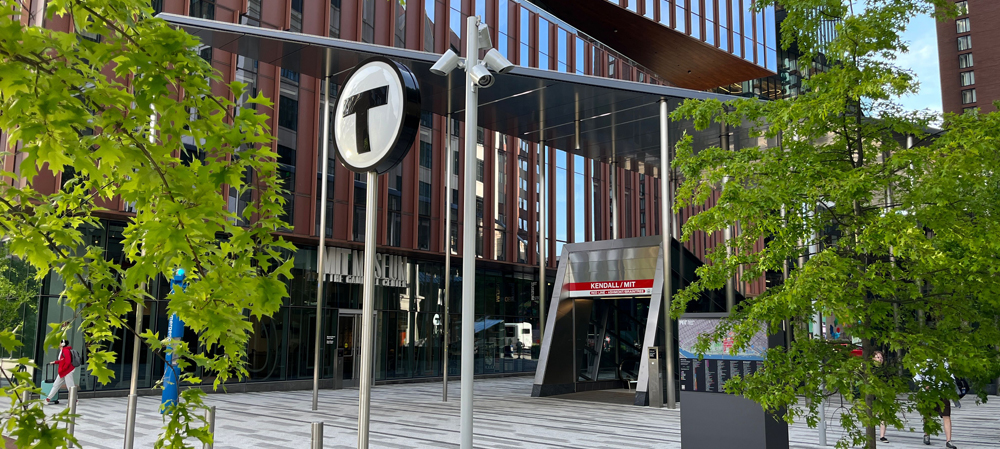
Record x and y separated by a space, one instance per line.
610 288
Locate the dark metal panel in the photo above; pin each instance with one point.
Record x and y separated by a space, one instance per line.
556 354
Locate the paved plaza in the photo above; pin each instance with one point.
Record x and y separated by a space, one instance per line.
506 417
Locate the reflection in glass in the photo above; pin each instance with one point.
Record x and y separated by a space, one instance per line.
266 347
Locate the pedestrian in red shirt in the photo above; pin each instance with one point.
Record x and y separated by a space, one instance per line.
66 371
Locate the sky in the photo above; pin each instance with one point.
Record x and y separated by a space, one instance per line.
923 59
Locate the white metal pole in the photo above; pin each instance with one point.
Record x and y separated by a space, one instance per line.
368 308
320 251
666 214
73 393
449 154
210 419
614 199
133 397
469 233
813 249
542 244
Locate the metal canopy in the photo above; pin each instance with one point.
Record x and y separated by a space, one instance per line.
618 120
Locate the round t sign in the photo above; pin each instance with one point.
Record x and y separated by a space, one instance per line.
378 115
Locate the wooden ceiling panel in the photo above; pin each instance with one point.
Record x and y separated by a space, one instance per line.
674 56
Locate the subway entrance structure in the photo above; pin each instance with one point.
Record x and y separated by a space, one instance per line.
607 310
620 122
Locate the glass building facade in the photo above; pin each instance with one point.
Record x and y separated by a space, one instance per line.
412 201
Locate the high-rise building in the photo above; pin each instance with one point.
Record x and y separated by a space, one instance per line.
698 44
969 57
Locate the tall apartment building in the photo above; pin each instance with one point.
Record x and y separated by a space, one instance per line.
970 58
699 44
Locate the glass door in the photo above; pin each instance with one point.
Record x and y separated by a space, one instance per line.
347 340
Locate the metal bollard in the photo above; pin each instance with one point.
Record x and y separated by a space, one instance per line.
72 410
210 417
317 435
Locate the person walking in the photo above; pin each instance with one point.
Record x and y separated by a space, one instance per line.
67 367
882 370
943 408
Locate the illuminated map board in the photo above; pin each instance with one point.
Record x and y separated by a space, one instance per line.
721 362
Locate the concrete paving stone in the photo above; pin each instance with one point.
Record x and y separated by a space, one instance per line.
506 417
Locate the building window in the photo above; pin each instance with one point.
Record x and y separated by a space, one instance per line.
400 25
290 75
561 199
479 227
424 233
965 61
94 37
296 16
962 25
426 154
286 155
964 42
330 172
425 199
429 26
579 200
395 221
500 199
288 113
971 110
968 96
963 7
335 18
597 207
368 22
968 78
239 199
360 199
202 9
286 175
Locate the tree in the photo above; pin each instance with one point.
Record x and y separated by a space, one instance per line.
901 240
18 290
111 107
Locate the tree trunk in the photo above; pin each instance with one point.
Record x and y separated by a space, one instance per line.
866 354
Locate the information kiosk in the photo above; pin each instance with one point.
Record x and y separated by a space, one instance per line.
705 405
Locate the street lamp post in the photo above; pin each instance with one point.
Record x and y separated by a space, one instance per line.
477 76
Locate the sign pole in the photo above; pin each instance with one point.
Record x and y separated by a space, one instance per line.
368 308
666 214
468 233
447 248
320 275
175 331
377 119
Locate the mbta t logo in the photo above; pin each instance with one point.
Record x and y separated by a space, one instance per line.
360 104
378 116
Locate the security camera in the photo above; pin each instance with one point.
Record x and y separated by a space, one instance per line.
482 76
446 63
497 62
484 37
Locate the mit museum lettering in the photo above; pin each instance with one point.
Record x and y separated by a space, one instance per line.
346 266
